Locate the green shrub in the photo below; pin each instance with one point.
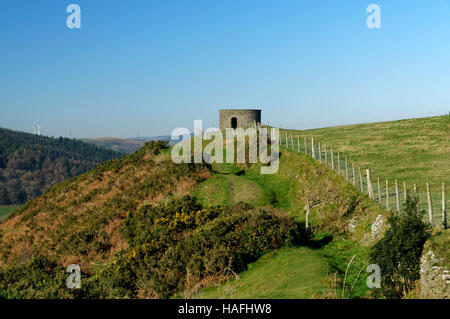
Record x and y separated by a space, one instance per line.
172 246
39 278
175 246
398 252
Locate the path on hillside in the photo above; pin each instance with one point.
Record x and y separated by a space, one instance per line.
294 272
244 190
228 187
288 272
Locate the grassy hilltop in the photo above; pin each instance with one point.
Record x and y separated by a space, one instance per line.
415 150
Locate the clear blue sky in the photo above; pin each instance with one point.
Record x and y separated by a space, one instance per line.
149 66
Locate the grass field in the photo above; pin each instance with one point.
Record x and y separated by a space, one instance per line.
416 151
5 210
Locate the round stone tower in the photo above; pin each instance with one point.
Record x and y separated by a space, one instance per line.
243 118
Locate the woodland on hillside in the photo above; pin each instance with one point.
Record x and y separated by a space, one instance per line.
30 164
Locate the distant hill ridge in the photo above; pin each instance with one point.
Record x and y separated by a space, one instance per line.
126 145
30 164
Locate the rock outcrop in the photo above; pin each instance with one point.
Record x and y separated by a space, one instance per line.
434 268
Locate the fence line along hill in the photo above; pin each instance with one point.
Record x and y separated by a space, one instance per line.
402 156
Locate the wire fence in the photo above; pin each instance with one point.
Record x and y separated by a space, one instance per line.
390 193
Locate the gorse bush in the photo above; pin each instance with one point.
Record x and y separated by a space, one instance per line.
43 278
174 246
39 278
85 212
398 252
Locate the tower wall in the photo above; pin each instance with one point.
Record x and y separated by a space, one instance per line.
244 118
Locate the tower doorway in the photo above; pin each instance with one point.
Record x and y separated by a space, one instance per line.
233 123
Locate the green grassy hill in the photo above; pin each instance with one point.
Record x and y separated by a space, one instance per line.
312 268
415 150
238 234
130 228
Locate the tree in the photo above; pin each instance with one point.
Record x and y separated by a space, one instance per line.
398 252
51 160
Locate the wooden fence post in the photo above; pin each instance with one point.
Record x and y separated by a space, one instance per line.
360 180
379 190
306 146
430 208
332 159
320 154
397 196
326 155
285 136
405 195
387 194
339 163
346 167
415 189
353 175
313 151
369 184
444 213
298 144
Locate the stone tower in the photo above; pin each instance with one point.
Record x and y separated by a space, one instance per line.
243 118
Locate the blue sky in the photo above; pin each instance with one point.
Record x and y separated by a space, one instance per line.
147 67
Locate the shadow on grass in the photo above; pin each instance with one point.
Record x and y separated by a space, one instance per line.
304 238
318 243
227 169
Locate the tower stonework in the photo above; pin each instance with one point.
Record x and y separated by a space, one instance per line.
239 118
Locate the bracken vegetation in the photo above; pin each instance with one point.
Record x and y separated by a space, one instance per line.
135 231
171 247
